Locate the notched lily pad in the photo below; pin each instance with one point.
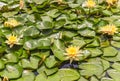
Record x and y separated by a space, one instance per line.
12 71
109 51
87 33
32 63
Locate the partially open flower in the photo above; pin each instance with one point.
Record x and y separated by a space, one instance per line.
59 1
90 3
11 23
5 79
73 53
111 2
21 4
109 29
12 40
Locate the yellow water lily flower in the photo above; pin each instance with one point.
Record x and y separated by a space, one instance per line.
5 79
59 1
73 53
109 29
90 3
21 4
12 40
11 23
111 2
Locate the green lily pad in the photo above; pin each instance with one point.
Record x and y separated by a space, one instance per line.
30 45
41 77
113 59
95 52
26 76
115 44
87 33
105 64
93 79
10 58
78 42
46 70
44 43
109 51
31 31
68 34
107 79
1 64
116 66
50 61
30 64
82 79
65 75
114 74
95 43
12 71
90 68
58 49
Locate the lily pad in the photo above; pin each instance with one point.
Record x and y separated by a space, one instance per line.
115 44
114 74
91 68
12 71
109 51
50 62
1 64
87 33
26 75
95 52
32 63
65 75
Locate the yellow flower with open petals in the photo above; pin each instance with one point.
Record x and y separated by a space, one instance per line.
90 3
11 23
73 53
12 40
59 1
109 29
5 79
111 2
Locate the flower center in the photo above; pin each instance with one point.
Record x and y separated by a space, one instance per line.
72 51
90 3
12 39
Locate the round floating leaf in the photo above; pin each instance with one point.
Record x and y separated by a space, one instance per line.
78 42
91 68
95 43
44 43
50 62
30 45
115 44
32 63
93 79
26 76
109 51
114 74
105 64
47 70
31 31
116 66
82 79
95 52
1 64
41 77
65 75
107 79
12 71
10 58
57 49
87 33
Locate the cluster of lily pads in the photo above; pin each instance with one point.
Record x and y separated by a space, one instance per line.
59 40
